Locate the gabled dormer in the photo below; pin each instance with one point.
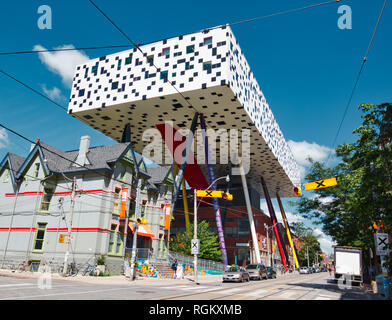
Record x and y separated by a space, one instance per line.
33 167
9 167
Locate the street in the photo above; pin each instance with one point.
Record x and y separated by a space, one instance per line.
318 286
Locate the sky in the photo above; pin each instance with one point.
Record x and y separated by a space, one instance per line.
304 63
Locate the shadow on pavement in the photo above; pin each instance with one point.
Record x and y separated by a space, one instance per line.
347 292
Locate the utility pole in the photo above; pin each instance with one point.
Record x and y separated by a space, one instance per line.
268 245
195 231
71 210
134 243
307 254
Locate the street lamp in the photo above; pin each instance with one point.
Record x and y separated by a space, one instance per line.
195 241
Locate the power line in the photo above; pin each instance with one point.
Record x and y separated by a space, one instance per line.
357 78
141 44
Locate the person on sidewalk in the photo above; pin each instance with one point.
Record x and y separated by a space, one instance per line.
174 269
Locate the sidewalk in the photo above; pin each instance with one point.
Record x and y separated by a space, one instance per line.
113 280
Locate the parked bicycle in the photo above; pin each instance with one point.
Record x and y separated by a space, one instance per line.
72 270
91 270
24 266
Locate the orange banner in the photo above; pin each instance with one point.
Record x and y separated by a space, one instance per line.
124 196
167 216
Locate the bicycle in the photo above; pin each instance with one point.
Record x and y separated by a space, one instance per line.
92 270
71 270
22 267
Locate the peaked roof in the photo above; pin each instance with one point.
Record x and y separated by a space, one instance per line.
16 161
98 157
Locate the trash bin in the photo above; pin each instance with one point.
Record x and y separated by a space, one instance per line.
380 284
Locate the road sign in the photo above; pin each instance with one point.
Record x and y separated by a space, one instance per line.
195 246
381 240
319 184
214 194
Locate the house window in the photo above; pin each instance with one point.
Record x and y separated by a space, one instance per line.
112 238
117 201
46 198
144 208
6 175
123 173
190 49
162 218
39 237
36 170
119 240
132 208
115 240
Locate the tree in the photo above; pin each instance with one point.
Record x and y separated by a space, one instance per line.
311 244
209 244
363 194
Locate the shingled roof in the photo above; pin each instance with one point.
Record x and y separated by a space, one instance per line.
99 158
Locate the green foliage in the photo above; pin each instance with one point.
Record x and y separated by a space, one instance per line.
364 191
311 244
209 244
101 259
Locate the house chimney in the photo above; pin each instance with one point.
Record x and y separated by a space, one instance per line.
82 160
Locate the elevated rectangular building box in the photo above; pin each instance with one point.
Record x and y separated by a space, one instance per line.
168 81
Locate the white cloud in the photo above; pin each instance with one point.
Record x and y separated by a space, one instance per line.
54 94
62 63
291 217
4 140
304 150
326 242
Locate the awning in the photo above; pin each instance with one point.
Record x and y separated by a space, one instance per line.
143 230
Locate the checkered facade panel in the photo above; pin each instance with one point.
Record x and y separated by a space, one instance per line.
187 63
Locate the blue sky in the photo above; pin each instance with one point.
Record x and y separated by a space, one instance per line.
305 65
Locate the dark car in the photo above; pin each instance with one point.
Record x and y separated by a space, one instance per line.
257 271
313 270
236 274
271 273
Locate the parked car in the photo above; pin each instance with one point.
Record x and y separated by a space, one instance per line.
304 270
236 274
312 270
271 273
257 271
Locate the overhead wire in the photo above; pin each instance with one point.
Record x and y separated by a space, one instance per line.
138 47
357 78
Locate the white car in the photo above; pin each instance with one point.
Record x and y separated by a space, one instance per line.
304 270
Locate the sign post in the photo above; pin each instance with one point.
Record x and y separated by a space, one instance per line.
381 240
195 240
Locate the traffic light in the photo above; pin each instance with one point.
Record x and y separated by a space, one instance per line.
227 196
142 221
297 191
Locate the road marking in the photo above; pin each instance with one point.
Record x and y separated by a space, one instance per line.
287 295
63 294
16 285
240 298
257 292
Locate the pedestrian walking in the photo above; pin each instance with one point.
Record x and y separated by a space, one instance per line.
174 269
329 269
